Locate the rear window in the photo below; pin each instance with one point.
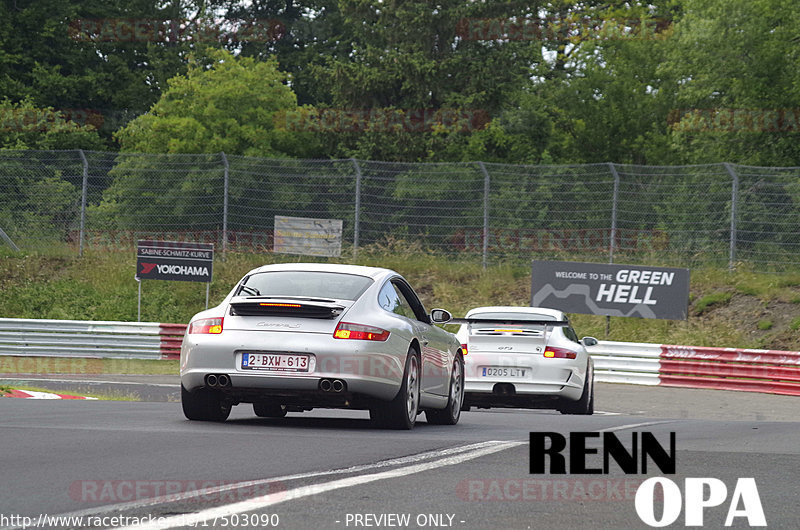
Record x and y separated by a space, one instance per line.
311 284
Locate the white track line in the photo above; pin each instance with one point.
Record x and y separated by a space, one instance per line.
272 499
216 490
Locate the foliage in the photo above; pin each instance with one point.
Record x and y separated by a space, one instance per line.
23 125
736 64
228 105
72 55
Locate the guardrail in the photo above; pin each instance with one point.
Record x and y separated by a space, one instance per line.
92 339
776 372
769 371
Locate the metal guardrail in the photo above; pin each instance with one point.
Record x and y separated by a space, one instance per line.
626 362
776 372
93 339
769 371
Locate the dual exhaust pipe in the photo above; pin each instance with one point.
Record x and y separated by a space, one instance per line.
326 385
218 381
332 385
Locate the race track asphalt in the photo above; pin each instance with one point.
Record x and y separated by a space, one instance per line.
331 469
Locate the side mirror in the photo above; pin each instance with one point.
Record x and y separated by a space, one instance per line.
589 341
440 316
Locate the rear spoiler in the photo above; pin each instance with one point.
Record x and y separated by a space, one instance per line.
506 322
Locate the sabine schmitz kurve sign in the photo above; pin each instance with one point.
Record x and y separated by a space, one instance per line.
174 260
611 290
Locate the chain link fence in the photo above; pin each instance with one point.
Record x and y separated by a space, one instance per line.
721 214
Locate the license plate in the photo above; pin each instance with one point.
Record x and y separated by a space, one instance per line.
489 371
275 362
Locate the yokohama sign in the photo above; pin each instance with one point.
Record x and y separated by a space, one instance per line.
173 260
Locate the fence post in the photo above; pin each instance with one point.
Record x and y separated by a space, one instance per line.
357 219
225 203
734 200
84 193
614 199
613 242
486 189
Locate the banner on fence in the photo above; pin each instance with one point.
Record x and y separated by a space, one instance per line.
174 260
306 236
611 290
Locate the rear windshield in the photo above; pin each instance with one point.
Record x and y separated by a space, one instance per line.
512 316
332 285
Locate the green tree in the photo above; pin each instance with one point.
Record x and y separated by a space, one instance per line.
79 56
228 105
416 56
40 189
26 126
738 70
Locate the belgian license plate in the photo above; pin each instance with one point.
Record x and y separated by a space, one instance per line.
275 362
489 371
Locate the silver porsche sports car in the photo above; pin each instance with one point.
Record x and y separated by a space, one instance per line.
292 337
525 357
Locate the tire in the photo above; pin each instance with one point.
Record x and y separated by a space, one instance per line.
204 405
269 409
452 412
585 405
401 412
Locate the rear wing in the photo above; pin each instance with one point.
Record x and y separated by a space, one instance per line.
547 325
509 322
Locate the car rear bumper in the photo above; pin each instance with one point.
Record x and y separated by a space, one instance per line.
368 369
561 378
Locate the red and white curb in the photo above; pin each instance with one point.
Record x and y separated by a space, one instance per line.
30 394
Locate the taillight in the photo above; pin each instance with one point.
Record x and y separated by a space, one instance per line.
463 349
206 325
559 353
348 330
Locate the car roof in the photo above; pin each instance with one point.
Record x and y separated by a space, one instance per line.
559 315
371 272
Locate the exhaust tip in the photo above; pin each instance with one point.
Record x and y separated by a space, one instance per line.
504 389
338 385
211 380
325 385
223 380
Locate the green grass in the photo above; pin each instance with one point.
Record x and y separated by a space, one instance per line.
78 365
764 325
100 286
711 300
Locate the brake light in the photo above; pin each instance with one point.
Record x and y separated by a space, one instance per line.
272 304
206 325
559 353
348 330
463 349
508 331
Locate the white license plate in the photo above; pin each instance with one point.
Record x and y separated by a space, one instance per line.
490 371
275 362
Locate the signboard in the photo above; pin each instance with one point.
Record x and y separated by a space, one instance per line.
611 290
310 237
175 261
